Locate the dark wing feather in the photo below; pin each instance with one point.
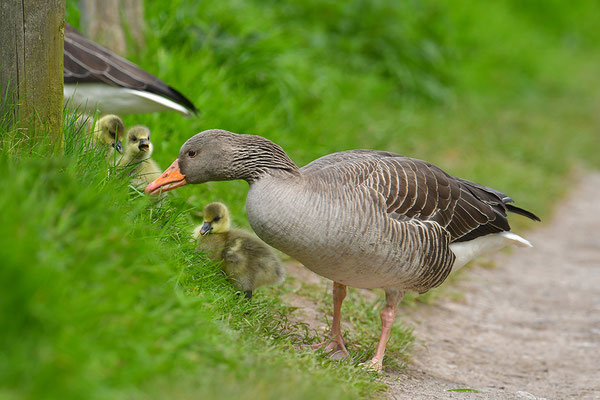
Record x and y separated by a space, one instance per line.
520 211
414 188
88 62
418 189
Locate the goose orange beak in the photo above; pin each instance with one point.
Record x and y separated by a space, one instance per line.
170 179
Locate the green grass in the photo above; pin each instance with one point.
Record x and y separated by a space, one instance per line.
464 390
103 295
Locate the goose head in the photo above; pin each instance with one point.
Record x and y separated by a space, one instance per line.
110 130
137 143
216 219
218 155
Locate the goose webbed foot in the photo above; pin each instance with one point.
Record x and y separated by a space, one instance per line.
374 364
334 347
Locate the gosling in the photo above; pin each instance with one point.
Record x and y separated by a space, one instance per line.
248 262
137 153
107 133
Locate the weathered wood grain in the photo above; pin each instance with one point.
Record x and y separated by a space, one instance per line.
109 22
31 60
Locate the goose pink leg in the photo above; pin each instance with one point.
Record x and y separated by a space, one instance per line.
388 316
335 346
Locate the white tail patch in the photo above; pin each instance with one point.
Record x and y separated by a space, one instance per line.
160 103
516 239
467 251
117 100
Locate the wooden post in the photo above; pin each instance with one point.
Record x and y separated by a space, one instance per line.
31 61
133 19
108 22
101 21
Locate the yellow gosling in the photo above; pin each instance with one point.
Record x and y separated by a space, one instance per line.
248 262
137 155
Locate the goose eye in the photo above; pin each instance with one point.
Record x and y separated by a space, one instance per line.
216 219
112 134
191 154
133 139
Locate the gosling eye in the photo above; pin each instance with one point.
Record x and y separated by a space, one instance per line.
191 154
216 219
133 139
112 134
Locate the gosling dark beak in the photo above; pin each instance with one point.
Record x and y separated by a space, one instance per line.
206 228
144 145
170 179
119 146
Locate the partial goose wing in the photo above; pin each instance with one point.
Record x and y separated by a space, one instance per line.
416 189
88 62
347 157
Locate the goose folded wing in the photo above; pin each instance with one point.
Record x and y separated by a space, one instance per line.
417 189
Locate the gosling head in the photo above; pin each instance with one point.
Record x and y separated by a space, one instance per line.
216 219
137 143
110 130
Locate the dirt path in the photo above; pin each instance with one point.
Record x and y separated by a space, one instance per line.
528 329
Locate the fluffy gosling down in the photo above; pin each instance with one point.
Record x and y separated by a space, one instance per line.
107 133
248 262
137 153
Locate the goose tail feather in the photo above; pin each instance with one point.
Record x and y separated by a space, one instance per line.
522 212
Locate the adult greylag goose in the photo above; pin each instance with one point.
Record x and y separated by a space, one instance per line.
248 262
95 77
362 218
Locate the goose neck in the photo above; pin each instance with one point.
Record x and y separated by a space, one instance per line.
254 165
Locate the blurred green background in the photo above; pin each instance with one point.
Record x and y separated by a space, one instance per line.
502 93
103 295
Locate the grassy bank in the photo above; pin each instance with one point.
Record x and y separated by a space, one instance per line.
103 295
